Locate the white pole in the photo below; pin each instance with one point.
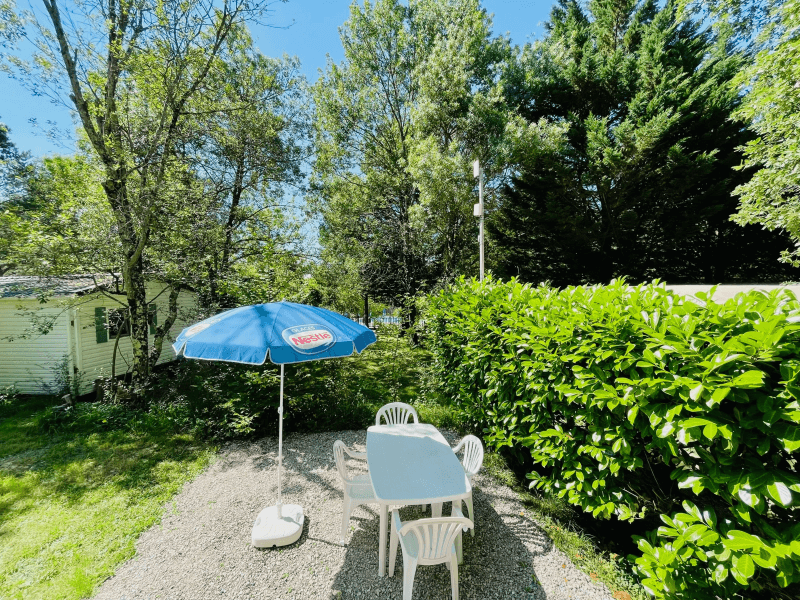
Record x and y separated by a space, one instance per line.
477 171
280 448
480 201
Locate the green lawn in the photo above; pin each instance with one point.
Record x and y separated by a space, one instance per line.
72 504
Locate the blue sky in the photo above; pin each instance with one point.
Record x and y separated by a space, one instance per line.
307 29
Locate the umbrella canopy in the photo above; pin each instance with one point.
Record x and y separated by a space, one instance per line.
285 333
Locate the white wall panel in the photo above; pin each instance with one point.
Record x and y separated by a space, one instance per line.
28 363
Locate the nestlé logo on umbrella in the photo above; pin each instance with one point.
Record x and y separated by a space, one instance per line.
309 339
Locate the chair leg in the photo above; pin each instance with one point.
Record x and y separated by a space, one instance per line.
459 549
436 510
345 518
454 577
393 543
471 515
409 570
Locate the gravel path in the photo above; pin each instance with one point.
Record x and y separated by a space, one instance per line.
201 549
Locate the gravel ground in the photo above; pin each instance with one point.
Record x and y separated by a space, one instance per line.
201 549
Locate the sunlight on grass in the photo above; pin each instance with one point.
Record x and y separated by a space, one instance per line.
71 507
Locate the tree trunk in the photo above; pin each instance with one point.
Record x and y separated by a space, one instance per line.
408 321
161 330
103 122
136 293
133 280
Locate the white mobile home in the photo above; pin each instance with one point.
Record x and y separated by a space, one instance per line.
78 324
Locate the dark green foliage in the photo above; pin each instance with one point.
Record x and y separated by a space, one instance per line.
641 184
225 401
7 148
634 402
220 401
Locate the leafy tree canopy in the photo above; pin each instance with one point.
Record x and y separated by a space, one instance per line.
147 81
772 105
398 124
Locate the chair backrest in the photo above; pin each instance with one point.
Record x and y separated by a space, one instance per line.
473 454
396 413
338 456
435 536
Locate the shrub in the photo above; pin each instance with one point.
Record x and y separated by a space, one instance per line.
63 381
217 400
95 417
9 398
225 401
632 401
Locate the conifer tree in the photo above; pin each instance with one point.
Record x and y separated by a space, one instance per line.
640 184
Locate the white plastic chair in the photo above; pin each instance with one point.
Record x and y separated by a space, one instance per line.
472 463
357 489
396 413
427 542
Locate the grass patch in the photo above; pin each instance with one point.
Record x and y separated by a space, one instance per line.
555 516
73 503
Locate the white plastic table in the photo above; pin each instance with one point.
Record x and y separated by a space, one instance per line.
409 465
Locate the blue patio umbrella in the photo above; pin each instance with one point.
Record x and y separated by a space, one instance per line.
284 333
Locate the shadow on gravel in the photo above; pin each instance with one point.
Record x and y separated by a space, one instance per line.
497 561
304 466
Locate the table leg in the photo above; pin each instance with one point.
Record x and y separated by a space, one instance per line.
382 547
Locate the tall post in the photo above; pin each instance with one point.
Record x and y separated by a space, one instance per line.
477 171
280 450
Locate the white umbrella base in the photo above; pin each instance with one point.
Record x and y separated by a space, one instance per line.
269 530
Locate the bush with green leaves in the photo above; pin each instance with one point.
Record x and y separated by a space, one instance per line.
226 401
633 402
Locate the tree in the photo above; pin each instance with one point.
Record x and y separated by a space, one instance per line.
7 148
248 153
61 219
12 27
772 196
131 69
639 183
398 123
13 168
460 115
745 18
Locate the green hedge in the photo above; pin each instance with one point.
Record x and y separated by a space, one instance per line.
631 402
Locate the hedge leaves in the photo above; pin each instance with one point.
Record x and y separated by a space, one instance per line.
632 402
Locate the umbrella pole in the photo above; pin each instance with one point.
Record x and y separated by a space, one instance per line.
272 528
280 448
